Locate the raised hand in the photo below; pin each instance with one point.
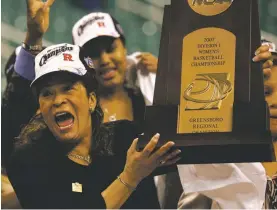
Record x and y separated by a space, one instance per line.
147 62
141 164
37 18
263 54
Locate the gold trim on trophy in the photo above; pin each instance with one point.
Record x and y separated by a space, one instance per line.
207 81
209 7
207 91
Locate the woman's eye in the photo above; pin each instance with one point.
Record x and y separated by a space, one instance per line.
111 49
68 88
45 93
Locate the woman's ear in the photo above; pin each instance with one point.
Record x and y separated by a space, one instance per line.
92 100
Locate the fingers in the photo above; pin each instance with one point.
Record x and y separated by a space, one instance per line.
146 62
146 56
30 3
139 56
46 11
261 49
267 73
268 64
167 158
171 162
151 145
133 145
171 155
164 149
49 3
142 56
263 56
262 53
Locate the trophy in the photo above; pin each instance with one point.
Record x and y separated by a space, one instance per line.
209 95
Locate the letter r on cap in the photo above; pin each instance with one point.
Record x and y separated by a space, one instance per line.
101 24
67 57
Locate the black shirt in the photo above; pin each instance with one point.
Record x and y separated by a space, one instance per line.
42 178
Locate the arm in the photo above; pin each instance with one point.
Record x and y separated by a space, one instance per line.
18 104
138 166
37 25
25 65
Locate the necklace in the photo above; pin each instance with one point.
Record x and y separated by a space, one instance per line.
87 158
111 117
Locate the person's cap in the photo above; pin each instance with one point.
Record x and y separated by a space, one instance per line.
56 58
272 46
94 25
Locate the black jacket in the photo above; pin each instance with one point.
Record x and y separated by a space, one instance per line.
18 106
42 175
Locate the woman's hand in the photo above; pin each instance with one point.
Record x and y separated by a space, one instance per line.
147 62
140 164
263 54
37 20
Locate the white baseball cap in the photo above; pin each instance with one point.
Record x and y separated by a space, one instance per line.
56 58
94 25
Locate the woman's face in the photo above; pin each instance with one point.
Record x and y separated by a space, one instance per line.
64 105
109 58
271 98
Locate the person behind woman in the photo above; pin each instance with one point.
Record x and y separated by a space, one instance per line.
270 89
270 83
104 42
72 161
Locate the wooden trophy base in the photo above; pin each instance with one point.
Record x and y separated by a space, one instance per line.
249 144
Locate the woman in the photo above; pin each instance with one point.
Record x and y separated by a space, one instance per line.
110 65
65 164
103 40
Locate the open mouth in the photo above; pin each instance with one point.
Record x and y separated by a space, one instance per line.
64 120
